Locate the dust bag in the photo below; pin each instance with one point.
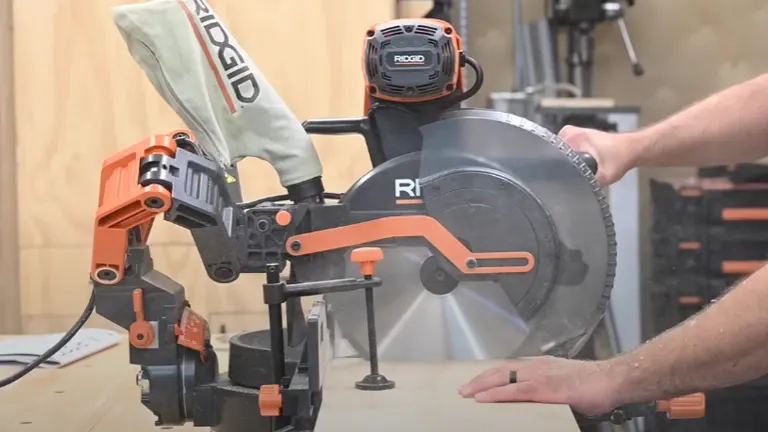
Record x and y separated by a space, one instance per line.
201 71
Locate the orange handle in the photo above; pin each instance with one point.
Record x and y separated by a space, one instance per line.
744 214
141 334
692 406
138 304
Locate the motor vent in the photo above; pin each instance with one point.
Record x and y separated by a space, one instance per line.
392 31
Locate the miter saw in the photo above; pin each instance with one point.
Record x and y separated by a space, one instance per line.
475 235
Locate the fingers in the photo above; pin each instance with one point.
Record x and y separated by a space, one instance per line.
521 392
494 377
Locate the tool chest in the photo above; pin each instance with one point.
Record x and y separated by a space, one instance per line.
721 251
706 235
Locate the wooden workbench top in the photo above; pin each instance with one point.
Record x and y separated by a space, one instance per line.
99 394
425 398
95 394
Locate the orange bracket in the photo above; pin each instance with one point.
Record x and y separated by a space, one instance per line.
124 204
406 226
141 333
192 331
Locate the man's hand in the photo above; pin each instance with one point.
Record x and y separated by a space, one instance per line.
588 387
613 152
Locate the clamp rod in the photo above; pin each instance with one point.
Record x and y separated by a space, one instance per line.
276 329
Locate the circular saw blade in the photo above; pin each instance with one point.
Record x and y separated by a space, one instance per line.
475 320
538 197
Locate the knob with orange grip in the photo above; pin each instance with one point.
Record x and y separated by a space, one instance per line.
367 257
270 400
691 406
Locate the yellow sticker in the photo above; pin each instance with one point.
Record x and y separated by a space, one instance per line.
230 179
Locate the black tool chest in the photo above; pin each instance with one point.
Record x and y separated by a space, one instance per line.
706 235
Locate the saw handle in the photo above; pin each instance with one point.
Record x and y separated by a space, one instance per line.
590 161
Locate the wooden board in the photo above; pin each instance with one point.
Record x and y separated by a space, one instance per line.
10 303
99 394
425 398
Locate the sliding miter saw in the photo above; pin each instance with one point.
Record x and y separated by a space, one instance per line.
475 235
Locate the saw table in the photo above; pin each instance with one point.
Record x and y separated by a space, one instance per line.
97 394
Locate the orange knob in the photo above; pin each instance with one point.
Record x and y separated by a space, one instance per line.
270 400
283 218
692 406
367 257
141 334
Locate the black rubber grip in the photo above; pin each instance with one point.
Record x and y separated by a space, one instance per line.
590 161
335 126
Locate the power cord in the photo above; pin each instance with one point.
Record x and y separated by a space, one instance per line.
54 349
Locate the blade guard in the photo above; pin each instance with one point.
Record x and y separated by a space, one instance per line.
197 66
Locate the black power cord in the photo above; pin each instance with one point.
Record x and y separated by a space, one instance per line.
457 98
54 349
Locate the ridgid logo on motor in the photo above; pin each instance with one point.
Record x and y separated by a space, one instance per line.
410 59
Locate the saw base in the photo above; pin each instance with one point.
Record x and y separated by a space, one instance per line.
426 399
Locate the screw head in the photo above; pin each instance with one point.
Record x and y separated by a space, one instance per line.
295 245
471 263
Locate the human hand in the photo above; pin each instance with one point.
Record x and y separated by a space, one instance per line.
612 151
587 387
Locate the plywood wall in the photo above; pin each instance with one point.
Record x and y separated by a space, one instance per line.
10 313
81 97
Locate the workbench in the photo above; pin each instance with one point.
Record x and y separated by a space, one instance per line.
99 394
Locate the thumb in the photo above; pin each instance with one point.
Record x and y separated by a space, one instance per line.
520 392
568 131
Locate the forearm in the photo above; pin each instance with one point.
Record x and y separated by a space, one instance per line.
728 127
724 345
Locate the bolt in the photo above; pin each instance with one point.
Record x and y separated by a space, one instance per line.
262 225
471 263
107 274
154 203
295 245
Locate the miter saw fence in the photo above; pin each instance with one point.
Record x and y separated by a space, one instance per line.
497 241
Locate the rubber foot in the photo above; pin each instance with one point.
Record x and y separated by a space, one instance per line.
375 383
